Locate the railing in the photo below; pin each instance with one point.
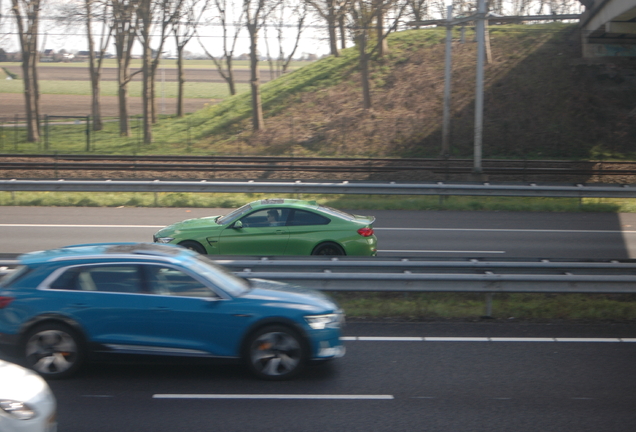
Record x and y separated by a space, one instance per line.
403 275
345 187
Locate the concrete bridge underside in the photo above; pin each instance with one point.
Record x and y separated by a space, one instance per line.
609 28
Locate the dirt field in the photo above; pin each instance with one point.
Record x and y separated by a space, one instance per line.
13 103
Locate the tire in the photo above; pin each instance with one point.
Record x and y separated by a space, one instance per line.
54 350
193 245
276 353
328 248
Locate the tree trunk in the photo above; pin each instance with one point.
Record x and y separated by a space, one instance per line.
122 73
364 70
343 32
383 46
146 94
181 79
257 108
332 25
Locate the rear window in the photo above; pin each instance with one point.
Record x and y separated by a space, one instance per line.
12 277
338 213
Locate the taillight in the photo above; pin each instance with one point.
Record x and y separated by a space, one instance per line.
4 301
365 232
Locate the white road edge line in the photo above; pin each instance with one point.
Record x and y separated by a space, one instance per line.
273 396
440 251
77 226
478 339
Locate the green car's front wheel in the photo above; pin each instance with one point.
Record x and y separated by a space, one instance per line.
193 245
328 248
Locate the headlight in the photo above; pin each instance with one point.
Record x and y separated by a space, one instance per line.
16 409
319 322
164 239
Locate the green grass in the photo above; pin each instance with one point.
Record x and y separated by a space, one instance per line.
524 307
168 64
362 204
109 88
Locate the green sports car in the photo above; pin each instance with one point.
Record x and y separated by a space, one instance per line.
276 227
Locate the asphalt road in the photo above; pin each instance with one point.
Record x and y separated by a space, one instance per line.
400 233
383 385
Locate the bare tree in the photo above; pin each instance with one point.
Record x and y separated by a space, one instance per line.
75 14
27 17
364 14
184 27
125 23
153 14
223 62
256 13
332 11
96 58
285 13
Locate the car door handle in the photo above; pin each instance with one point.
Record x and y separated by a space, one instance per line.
280 232
79 305
160 309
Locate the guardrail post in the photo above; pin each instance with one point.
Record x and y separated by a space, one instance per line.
488 308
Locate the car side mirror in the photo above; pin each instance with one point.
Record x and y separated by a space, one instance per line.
237 225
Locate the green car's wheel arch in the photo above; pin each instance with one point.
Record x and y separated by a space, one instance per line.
53 349
275 352
328 248
193 245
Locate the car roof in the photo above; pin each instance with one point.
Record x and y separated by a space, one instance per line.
106 250
272 202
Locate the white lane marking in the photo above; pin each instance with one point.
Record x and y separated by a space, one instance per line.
478 339
273 396
441 251
77 226
508 230
375 228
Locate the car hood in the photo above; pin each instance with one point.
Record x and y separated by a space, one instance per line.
286 295
19 383
189 224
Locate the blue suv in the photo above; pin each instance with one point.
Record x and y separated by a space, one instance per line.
61 306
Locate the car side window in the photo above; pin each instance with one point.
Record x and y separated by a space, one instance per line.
169 281
302 217
112 278
266 218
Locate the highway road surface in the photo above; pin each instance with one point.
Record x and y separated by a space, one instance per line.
400 233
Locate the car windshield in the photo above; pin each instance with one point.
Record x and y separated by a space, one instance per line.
336 212
233 214
220 276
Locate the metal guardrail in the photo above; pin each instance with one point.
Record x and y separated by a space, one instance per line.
439 276
345 187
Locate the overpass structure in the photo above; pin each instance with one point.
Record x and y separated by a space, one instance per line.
609 28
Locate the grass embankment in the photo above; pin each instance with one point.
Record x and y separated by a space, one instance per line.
195 90
360 203
524 307
540 103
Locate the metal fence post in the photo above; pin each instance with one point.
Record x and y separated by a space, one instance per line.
46 132
15 130
88 133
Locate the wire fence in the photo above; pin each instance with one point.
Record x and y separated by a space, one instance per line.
75 134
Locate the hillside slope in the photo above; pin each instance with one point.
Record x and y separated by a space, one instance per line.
541 101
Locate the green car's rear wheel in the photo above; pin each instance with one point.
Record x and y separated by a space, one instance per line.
328 248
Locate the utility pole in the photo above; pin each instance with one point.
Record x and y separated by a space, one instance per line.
479 87
447 84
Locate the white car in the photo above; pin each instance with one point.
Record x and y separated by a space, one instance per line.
26 401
